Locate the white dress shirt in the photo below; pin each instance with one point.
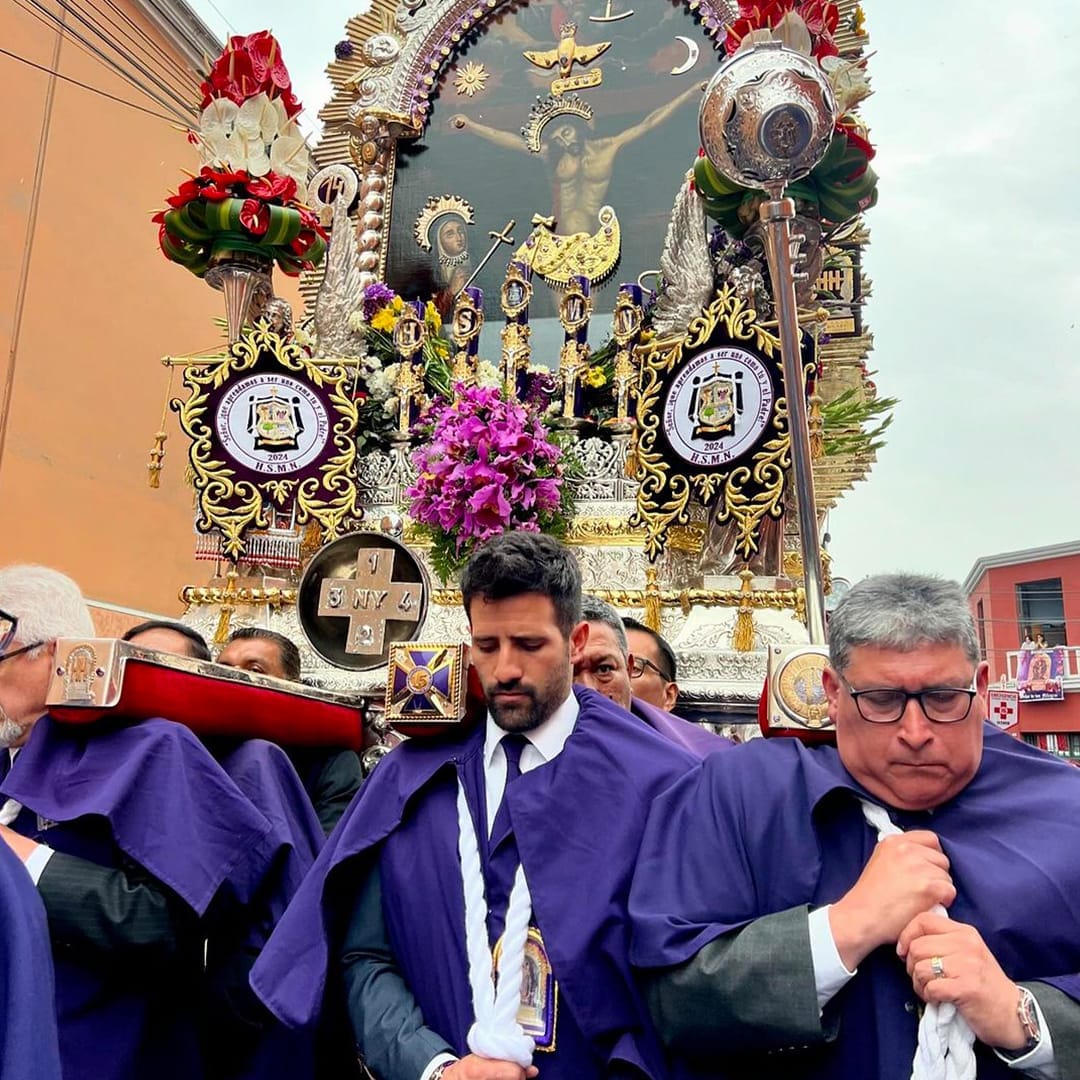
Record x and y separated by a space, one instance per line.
543 744
39 857
830 975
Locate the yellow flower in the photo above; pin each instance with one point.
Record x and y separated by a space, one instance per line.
432 317
595 378
384 320
398 305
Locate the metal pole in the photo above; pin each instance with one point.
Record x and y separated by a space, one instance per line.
777 215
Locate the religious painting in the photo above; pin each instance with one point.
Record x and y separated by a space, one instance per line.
555 111
1039 675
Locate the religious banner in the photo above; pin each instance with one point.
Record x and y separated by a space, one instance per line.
270 429
1003 707
1039 675
713 425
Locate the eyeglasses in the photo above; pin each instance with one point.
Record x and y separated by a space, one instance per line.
942 704
8 623
638 664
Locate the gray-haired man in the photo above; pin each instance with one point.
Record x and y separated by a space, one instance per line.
791 901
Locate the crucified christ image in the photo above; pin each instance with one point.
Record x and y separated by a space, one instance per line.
581 163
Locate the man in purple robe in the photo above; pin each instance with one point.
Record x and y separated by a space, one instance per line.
28 1045
527 824
606 664
137 842
786 935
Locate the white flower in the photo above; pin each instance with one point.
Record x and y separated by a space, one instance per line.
356 320
791 30
487 374
289 157
390 406
849 81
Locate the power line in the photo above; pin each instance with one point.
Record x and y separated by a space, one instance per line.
182 112
178 98
93 89
153 42
141 44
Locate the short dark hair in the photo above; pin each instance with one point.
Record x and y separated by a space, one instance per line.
288 653
666 652
515 563
197 647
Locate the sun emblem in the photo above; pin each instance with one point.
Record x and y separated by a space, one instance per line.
470 79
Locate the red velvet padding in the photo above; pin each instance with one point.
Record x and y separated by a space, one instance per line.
212 706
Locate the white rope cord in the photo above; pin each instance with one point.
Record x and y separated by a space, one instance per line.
496 1032
945 1044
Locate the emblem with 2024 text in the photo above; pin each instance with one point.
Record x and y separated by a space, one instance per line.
717 407
272 423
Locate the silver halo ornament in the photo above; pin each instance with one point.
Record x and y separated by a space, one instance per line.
767 116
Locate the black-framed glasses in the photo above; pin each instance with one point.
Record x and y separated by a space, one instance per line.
638 664
8 625
942 704
19 652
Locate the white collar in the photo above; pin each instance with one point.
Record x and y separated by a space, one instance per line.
548 739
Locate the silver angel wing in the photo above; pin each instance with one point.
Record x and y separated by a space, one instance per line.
340 291
685 266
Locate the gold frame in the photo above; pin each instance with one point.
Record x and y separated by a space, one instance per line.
664 493
330 499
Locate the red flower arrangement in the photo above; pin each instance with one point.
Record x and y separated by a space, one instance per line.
819 17
250 65
244 202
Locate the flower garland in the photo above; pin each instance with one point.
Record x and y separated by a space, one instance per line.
842 184
244 200
486 466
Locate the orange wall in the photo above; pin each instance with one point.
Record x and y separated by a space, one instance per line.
102 307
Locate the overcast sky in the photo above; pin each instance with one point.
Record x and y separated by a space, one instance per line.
974 260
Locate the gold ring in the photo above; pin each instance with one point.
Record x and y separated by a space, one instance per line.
937 966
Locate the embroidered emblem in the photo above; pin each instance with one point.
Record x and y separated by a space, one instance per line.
538 1013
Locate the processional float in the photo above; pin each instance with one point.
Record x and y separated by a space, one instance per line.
680 393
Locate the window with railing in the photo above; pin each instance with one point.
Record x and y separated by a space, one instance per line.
1040 608
1064 744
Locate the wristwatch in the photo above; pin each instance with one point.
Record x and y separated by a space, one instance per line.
1029 1021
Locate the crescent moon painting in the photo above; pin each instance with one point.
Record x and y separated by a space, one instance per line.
691 55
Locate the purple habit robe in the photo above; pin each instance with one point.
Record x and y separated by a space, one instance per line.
240 1043
577 822
153 792
690 736
28 1045
778 826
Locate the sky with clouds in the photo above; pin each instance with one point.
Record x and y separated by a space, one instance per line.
976 282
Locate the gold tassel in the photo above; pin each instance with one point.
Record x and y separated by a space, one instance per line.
652 600
817 428
742 637
221 632
157 454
